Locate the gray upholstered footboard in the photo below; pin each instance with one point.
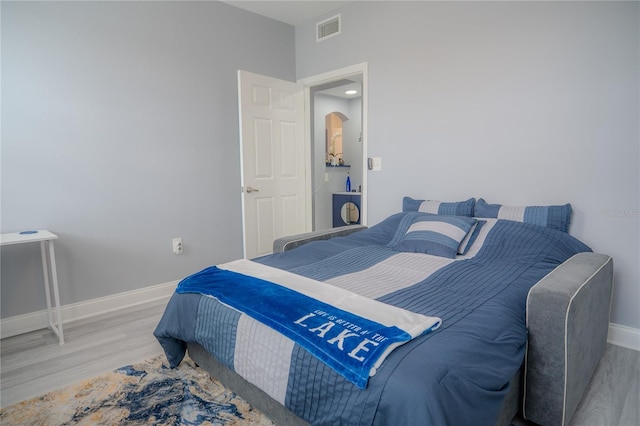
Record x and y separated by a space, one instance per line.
293 241
568 321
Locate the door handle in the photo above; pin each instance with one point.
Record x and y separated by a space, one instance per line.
250 190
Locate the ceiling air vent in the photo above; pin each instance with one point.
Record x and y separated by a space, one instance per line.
328 28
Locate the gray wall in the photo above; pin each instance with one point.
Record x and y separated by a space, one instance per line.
120 132
516 102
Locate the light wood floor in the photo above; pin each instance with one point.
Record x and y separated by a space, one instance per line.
32 364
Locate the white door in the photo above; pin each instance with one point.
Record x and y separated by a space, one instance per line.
274 161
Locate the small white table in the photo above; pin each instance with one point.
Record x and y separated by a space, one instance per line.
43 236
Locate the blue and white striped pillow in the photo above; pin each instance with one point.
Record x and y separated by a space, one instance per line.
457 208
554 217
435 234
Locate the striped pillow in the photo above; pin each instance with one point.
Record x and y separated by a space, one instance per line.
554 217
435 234
458 208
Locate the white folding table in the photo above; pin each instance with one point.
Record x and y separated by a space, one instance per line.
44 237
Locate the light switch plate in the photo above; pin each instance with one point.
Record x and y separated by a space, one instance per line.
376 164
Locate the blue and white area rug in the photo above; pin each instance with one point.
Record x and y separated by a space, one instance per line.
144 393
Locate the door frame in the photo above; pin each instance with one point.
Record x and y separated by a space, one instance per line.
328 77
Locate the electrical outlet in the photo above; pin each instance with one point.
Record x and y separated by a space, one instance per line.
326 177
177 246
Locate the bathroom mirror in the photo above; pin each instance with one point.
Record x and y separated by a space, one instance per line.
333 137
350 213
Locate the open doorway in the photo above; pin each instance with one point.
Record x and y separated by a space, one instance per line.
336 105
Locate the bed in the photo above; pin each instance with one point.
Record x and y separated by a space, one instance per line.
521 309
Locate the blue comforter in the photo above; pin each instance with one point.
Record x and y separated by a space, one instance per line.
458 374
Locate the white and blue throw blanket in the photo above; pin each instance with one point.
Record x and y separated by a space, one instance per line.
350 333
456 374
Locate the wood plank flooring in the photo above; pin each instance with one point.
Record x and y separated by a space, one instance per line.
32 364
613 395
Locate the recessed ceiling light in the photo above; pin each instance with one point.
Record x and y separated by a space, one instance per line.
350 92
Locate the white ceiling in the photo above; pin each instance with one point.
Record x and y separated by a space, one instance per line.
293 12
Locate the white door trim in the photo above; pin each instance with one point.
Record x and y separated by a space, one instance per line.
328 77
242 208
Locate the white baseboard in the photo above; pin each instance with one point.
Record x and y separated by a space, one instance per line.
622 335
38 320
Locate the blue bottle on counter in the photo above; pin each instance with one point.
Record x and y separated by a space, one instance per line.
348 183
